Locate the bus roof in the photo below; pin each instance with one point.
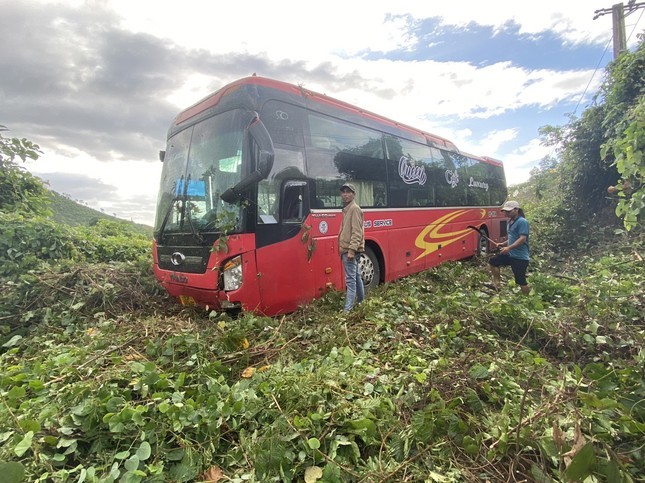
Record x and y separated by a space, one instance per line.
309 97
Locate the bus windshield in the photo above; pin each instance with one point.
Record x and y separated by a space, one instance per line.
201 163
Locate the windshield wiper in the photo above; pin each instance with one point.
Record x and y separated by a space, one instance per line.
162 228
196 234
187 213
186 209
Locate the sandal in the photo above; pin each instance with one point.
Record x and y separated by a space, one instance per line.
491 286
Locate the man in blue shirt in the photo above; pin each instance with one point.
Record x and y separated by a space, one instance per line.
515 251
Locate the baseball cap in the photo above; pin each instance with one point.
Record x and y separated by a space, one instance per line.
348 186
510 206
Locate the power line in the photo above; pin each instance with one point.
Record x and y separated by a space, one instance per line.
635 25
592 76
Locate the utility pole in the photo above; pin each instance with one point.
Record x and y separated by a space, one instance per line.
618 20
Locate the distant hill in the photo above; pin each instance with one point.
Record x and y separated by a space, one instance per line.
69 212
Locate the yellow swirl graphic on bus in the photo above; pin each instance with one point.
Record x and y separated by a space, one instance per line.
431 237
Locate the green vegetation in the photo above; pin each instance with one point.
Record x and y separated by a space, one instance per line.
68 212
603 152
20 192
433 378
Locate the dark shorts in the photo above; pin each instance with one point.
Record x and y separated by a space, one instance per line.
518 266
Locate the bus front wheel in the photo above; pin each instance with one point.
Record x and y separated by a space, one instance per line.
370 269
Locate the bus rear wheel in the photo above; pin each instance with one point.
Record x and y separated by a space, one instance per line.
369 269
483 247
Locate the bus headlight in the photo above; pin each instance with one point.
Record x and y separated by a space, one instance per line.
233 274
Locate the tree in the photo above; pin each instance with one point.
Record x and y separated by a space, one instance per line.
626 121
583 172
629 151
20 191
604 147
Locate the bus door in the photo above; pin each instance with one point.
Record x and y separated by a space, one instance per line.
284 272
325 260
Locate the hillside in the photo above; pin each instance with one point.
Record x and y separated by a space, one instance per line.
69 212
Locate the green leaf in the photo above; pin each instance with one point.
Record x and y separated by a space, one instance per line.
30 425
121 455
364 427
314 443
24 445
582 464
12 472
539 475
133 477
175 454
132 463
16 392
114 404
144 451
331 473
611 471
183 472
13 341
5 436
478 372
313 474
439 478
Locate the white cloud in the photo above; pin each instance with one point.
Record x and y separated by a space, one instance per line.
519 162
115 75
125 188
494 140
291 29
572 19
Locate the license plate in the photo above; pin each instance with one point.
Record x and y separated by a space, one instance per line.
187 301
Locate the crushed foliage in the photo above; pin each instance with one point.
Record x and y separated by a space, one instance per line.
432 378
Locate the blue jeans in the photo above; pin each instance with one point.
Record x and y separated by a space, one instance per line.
353 281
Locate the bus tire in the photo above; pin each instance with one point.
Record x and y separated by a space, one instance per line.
483 247
369 269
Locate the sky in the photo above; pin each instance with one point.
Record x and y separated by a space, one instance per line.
97 83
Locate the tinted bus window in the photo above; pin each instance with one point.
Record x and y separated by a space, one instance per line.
484 183
288 164
478 183
284 123
497 185
408 164
339 152
457 179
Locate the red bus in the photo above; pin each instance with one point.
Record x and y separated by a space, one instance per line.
249 206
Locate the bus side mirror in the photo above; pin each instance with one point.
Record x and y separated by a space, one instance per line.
266 155
162 155
261 136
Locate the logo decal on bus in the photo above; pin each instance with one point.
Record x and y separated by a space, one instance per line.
452 178
432 236
410 173
178 278
477 184
378 223
281 115
323 227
